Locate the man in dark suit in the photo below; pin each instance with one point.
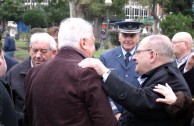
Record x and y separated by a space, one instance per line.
59 92
118 59
154 63
182 42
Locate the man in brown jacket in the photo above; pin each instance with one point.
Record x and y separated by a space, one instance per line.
59 92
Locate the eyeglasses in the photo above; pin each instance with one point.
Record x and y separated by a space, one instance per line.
131 35
139 51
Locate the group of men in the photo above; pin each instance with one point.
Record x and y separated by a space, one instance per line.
58 87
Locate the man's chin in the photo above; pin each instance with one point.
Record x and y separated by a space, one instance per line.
37 63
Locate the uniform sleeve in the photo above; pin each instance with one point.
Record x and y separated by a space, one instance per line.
96 100
113 106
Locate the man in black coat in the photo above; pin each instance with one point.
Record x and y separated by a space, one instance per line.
154 63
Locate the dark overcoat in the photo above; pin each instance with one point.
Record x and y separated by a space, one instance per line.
7 111
15 76
143 110
60 93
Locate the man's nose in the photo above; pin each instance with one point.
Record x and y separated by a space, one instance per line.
38 54
133 57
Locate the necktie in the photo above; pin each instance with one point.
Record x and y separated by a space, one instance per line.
127 58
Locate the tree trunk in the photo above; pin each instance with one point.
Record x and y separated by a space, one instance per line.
97 28
72 7
80 11
156 19
77 9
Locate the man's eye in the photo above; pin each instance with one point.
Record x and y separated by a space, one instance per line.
44 51
35 50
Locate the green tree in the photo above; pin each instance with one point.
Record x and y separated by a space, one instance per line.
97 12
35 18
56 11
171 24
11 10
183 6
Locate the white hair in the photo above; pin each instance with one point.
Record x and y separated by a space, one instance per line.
42 37
72 30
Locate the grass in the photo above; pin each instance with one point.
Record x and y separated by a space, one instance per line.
22 51
98 52
20 44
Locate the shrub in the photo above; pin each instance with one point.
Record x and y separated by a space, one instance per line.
97 45
176 23
113 35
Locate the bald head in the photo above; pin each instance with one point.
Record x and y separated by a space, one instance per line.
182 42
182 36
159 43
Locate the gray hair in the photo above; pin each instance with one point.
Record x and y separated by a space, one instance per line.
42 37
72 30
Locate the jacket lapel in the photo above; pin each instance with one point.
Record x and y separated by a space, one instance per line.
120 58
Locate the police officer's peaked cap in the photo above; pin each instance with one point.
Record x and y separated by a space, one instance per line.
129 26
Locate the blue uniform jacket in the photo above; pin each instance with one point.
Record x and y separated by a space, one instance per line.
114 60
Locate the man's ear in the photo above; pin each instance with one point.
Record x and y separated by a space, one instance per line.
54 52
83 44
187 44
153 56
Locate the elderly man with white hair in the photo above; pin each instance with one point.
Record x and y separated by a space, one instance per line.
42 48
182 42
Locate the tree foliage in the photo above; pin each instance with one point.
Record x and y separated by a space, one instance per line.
35 18
183 6
11 10
176 23
98 8
56 12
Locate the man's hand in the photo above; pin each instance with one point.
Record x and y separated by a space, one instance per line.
96 64
167 92
190 62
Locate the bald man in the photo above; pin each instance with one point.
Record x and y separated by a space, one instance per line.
182 42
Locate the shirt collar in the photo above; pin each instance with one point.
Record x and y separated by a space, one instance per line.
182 60
132 51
